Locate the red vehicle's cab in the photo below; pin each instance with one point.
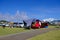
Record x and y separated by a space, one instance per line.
36 24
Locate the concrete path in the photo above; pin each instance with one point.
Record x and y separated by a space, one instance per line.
26 35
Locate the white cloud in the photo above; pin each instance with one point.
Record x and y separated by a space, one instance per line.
24 16
17 17
49 19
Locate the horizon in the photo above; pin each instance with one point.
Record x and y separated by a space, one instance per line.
16 10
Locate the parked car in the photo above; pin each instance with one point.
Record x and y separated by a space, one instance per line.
44 25
18 25
21 25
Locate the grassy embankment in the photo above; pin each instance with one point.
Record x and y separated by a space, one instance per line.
52 35
7 31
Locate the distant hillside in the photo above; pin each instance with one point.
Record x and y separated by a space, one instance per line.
4 21
55 21
49 19
52 21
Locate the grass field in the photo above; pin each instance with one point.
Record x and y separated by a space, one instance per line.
50 26
52 35
7 31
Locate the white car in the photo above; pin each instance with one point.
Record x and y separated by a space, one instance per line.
21 25
7 25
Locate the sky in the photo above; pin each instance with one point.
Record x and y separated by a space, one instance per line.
27 9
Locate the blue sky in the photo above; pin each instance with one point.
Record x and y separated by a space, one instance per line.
40 9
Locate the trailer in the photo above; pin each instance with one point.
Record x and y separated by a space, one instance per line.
32 23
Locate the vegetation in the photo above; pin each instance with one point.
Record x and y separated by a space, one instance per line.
52 35
7 30
4 21
50 26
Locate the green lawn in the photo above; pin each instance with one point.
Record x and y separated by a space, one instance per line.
7 31
52 35
50 26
